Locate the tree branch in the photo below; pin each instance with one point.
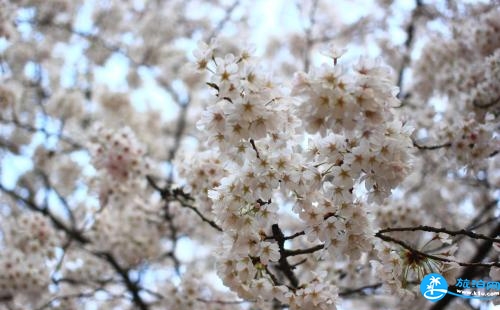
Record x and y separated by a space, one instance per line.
468 233
33 129
431 147
223 21
72 232
202 217
284 266
487 105
361 289
410 35
310 250
469 272
132 286
177 194
252 142
434 257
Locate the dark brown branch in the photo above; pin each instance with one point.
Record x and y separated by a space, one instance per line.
272 276
32 129
263 203
284 265
132 286
487 105
173 234
469 272
175 260
431 147
485 210
252 142
434 257
9 145
468 233
177 194
202 217
155 186
300 233
72 232
486 221
78 236
6 298
310 250
299 263
410 35
361 289
50 187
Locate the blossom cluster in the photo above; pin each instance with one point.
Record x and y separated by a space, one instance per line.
195 292
465 66
28 243
464 72
253 128
129 229
473 141
126 224
119 160
295 192
118 153
204 173
370 145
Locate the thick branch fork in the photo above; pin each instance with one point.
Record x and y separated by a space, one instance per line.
284 265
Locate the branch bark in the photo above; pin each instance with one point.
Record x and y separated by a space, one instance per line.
284 265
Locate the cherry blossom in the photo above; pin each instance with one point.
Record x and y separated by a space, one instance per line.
194 155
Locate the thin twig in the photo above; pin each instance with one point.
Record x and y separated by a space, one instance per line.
252 142
132 286
431 147
310 250
223 21
465 232
469 272
410 36
70 231
202 217
434 257
361 289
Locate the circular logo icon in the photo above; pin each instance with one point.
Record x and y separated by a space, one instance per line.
433 287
